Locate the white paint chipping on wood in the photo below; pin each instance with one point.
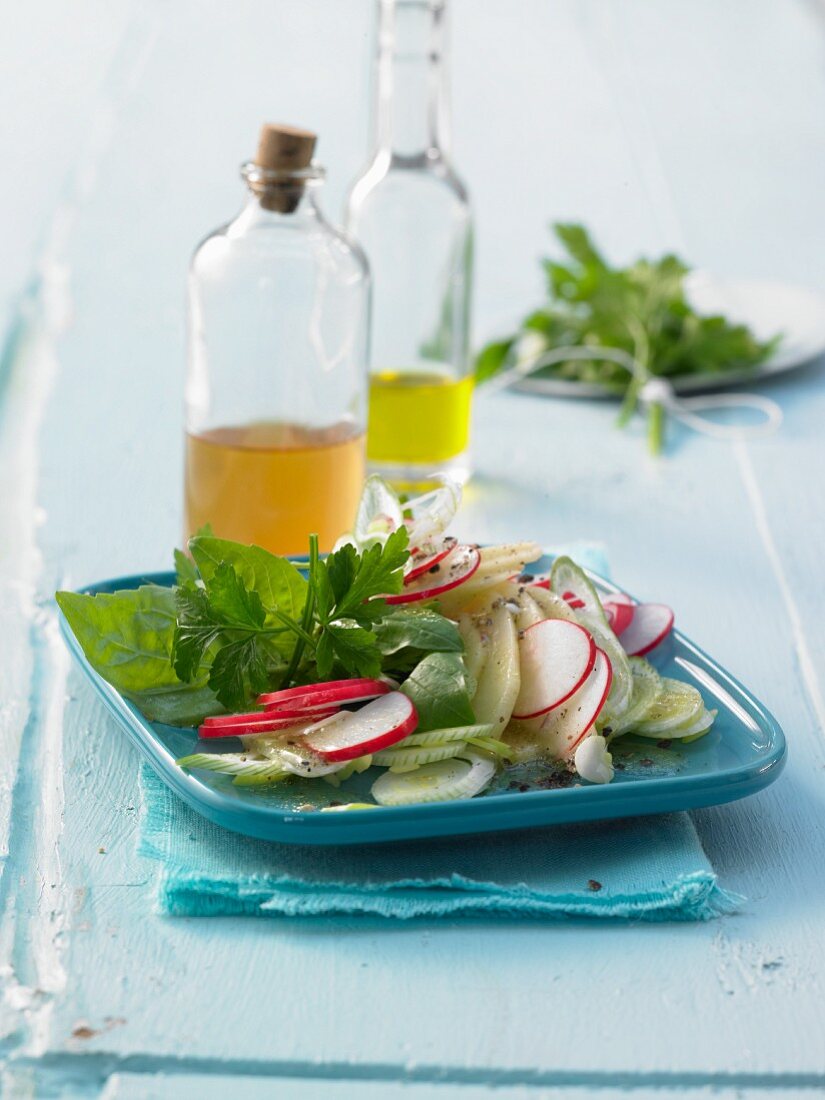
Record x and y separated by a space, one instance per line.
193 1007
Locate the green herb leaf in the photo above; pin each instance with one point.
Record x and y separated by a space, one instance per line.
400 629
438 688
127 638
228 620
353 647
185 569
280 587
349 579
641 309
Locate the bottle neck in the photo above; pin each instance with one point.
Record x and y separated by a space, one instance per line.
411 108
282 194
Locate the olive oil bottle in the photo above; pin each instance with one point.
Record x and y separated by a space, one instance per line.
410 211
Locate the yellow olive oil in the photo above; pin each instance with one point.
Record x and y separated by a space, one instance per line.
274 484
418 417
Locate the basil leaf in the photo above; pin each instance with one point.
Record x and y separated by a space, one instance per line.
185 569
278 585
276 581
183 705
126 636
438 688
423 629
127 639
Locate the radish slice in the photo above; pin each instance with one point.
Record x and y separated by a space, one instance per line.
356 733
261 722
440 782
422 562
458 568
294 714
620 597
619 615
573 600
561 729
555 657
331 694
651 624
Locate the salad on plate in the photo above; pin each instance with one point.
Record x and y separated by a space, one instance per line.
438 662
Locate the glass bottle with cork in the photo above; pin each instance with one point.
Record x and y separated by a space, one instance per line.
276 390
410 211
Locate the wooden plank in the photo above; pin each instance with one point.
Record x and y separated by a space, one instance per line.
198 1087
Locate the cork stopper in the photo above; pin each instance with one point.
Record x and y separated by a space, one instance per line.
283 148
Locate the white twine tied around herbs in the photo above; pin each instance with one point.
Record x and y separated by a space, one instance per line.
655 390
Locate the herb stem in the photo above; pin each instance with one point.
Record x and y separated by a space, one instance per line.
656 428
297 628
306 618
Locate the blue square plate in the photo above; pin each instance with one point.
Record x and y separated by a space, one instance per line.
744 752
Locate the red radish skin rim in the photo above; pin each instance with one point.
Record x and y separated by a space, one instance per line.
326 701
600 707
271 714
426 565
439 590
619 615
660 637
259 717
270 724
339 691
362 748
588 670
572 600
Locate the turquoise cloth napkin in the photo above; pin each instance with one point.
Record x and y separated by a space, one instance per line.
650 868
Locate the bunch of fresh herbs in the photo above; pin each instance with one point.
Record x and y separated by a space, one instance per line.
641 310
241 621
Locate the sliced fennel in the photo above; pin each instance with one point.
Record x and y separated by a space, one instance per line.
453 733
351 767
687 731
475 648
677 706
647 687
498 686
432 513
566 576
247 770
441 782
398 760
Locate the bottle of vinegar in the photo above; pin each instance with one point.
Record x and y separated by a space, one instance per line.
410 211
276 388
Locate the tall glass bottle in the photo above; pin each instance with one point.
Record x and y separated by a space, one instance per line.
276 390
410 211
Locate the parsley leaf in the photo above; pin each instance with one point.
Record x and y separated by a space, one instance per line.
346 587
641 309
229 619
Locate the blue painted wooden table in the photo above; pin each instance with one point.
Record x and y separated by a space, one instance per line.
696 126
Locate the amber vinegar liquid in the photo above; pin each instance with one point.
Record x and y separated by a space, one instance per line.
274 484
